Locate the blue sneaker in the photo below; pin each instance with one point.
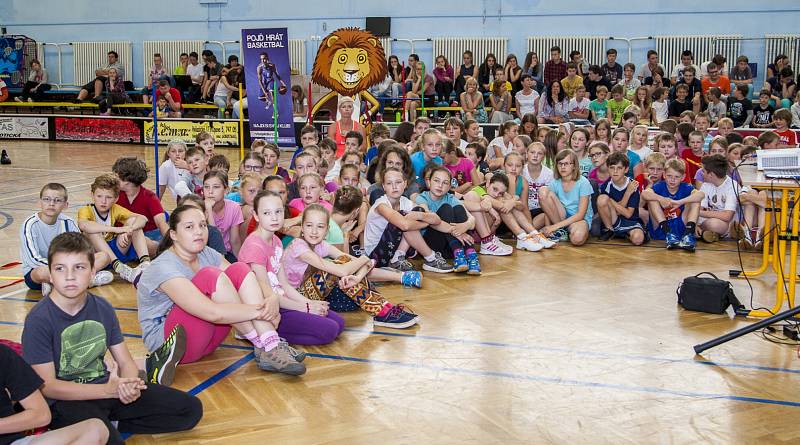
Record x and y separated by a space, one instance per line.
673 241
560 235
397 317
688 243
473 264
411 278
460 261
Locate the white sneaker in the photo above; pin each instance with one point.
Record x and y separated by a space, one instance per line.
143 266
46 289
528 244
541 239
102 278
496 247
128 273
18 99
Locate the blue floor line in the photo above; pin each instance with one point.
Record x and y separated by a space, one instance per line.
576 352
608 355
499 374
567 382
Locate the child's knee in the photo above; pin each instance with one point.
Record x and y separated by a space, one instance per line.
602 200
637 237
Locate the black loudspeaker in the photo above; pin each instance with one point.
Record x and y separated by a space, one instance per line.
379 26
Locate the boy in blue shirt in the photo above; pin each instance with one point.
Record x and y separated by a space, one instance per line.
618 203
674 206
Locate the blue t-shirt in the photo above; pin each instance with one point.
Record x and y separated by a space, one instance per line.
571 200
434 205
634 160
673 216
418 161
371 154
608 188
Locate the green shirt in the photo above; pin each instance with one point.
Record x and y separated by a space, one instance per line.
179 71
599 108
618 109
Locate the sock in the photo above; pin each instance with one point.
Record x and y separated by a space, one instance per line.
144 259
115 265
269 340
665 226
252 337
487 239
522 235
471 251
690 228
397 254
430 257
385 309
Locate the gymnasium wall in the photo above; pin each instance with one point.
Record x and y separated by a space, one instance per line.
64 21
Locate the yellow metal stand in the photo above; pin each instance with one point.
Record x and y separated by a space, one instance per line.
775 246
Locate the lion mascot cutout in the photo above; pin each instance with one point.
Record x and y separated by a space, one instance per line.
349 61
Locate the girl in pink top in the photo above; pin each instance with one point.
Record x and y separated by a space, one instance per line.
303 321
460 167
222 213
309 269
310 187
444 81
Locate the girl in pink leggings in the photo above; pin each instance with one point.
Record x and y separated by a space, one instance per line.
191 285
303 321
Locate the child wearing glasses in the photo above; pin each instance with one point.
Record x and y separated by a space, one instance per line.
566 201
39 230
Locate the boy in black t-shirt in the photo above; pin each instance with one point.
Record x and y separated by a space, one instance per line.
762 114
65 338
20 384
740 109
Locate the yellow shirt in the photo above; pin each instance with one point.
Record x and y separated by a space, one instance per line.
508 86
116 217
571 85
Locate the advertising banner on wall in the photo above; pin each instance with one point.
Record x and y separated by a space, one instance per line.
225 133
24 128
101 129
267 72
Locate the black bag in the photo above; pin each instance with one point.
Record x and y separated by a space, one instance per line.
710 295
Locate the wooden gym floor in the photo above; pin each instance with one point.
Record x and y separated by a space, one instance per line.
572 345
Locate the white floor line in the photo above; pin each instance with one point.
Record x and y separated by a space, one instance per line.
53 170
14 292
37 193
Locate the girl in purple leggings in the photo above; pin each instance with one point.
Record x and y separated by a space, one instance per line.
303 321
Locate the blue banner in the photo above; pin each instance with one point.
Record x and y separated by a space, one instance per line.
268 81
12 61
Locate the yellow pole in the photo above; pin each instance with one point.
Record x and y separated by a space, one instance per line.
241 124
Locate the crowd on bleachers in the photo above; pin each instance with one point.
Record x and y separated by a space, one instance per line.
560 90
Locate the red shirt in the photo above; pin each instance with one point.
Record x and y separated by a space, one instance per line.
723 83
788 137
176 96
693 163
146 204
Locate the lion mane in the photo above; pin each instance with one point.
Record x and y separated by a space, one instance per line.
341 41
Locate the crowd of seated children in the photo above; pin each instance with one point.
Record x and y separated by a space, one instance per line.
282 254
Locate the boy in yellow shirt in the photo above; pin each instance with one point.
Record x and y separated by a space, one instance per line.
113 229
572 81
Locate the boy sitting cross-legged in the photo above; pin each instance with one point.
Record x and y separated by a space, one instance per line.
65 339
113 229
39 230
674 207
719 204
618 203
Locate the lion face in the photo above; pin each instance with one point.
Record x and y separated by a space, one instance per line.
349 66
349 61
